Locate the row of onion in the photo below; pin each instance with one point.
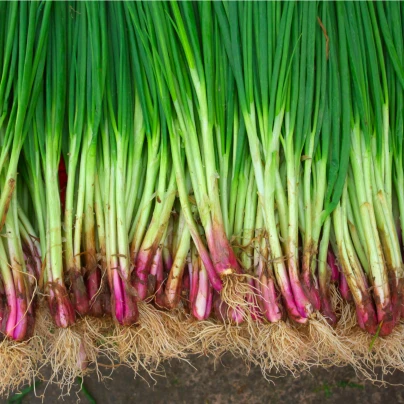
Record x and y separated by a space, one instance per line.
197 168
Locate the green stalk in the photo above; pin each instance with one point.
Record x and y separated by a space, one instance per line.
49 120
8 51
77 46
349 264
174 281
357 241
33 32
249 224
165 197
241 63
97 60
314 98
120 115
360 161
185 122
135 162
20 319
201 76
324 275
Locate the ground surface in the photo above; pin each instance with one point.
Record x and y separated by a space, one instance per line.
229 383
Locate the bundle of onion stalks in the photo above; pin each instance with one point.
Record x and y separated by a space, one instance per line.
199 178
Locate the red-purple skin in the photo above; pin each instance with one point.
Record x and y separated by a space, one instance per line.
199 285
123 301
223 257
158 268
93 286
3 308
327 311
208 262
332 263
268 298
78 293
220 308
143 264
311 290
366 317
385 318
60 306
344 288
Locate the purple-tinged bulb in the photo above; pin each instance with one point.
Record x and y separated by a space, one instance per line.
78 292
93 286
124 302
60 306
332 263
269 300
344 288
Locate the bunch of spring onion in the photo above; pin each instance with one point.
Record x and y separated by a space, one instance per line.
86 92
23 52
183 65
366 224
283 101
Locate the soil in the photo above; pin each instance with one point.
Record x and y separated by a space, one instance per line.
228 381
